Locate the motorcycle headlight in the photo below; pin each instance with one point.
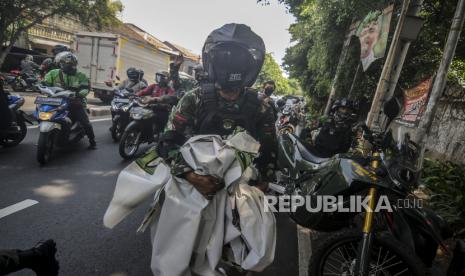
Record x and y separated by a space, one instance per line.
45 116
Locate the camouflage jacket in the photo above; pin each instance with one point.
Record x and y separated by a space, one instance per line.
184 120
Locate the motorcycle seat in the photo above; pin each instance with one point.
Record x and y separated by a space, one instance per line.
308 155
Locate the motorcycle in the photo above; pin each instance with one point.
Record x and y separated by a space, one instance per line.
142 127
55 124
23 82
15 134
120 106
401 242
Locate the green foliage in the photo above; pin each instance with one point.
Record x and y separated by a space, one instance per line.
445 186
319 32
17 16
272 71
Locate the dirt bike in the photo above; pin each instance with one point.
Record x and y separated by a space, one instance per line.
402 241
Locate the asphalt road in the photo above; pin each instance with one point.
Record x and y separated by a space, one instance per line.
73 192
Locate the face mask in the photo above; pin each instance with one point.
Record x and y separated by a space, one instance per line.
269 91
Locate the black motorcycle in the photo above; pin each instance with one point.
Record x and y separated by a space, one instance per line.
363 242
120 106
13 135
23 82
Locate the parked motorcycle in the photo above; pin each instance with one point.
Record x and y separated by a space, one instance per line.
401 242
55 125
15 134
120 106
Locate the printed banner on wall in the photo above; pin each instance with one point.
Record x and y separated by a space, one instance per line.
415 101
373 33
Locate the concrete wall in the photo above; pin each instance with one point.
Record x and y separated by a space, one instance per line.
447 138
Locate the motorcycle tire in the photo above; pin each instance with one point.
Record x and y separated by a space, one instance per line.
129 132
44 147
116 131
323 250
12 140
17 86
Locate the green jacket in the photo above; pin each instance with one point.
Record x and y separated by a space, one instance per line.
78 82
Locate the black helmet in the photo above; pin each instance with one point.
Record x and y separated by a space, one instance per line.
343 112
133 74
68 63
59 48
141 74
161 77
233 56
47 64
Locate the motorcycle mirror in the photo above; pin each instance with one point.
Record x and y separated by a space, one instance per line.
392 108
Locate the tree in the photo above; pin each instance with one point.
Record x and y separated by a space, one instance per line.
318 36
272 71
17 16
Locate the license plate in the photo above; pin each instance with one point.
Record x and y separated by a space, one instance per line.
48 101
117 100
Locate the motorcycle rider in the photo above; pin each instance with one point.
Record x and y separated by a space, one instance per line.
134 82
28 66
48 64
337 133
159 92
268 88
69 78
232 56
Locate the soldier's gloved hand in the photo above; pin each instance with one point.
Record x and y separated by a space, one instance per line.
207 185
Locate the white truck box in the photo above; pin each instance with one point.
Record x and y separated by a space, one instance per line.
103 56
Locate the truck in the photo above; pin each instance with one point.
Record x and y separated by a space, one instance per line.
105 57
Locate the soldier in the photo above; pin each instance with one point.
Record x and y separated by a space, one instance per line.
232 57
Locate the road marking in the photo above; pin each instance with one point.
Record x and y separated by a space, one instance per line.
305 249
92 121
17 207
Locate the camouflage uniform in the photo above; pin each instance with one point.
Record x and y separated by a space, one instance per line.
184 123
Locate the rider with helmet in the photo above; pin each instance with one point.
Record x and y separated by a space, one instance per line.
336 134
69 78
49 64
28 66
134 82
268 88
160 92
232 57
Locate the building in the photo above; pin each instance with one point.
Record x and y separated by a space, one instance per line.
54 30
191 60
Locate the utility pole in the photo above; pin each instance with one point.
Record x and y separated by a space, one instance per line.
424 126
342 58
373 115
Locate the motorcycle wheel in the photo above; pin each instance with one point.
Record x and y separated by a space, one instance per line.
336 255
13 139
116 131
17 86
130 141
45 147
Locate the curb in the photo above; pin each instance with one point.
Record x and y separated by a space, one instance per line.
100 111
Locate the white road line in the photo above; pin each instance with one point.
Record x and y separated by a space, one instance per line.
17 207
92 121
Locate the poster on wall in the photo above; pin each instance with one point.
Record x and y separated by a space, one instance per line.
373 33
415 101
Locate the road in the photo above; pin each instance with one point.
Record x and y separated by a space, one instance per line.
73 192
